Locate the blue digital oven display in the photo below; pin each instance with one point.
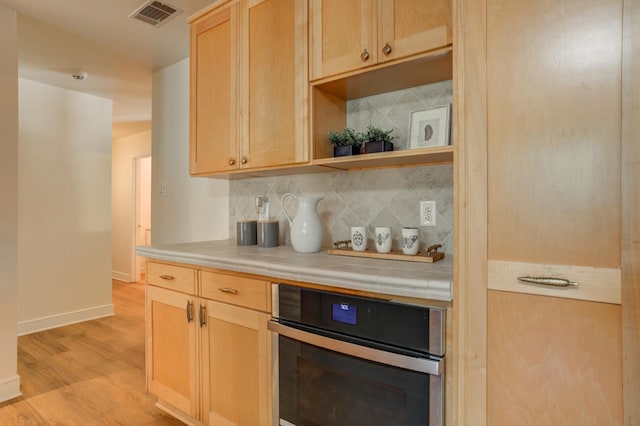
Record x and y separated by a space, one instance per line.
344 313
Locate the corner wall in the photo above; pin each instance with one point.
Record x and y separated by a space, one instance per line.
193 209
64 227
9 379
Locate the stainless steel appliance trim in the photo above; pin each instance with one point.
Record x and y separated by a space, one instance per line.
436 400
421 365
436 331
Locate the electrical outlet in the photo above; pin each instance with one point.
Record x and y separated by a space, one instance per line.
427 213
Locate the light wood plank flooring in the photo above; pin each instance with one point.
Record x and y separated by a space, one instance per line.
91 373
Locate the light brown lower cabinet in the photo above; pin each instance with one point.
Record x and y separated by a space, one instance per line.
209 354
553 361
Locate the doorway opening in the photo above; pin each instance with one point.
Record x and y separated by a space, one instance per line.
142 213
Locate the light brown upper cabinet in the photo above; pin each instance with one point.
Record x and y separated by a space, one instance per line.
347 36
249 94
214 92
554 71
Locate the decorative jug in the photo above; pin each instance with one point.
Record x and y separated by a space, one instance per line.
306 226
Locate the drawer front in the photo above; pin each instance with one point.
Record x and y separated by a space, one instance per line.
240 291
172 277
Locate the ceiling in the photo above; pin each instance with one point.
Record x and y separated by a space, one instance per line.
118 53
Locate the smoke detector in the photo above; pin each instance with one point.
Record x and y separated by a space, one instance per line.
80 75
155 13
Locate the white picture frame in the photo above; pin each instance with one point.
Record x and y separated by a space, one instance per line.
430 127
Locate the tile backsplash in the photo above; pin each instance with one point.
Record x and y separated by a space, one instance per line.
388 197
385 197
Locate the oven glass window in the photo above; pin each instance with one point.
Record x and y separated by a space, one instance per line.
322 387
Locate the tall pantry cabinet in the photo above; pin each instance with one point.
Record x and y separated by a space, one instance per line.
541 107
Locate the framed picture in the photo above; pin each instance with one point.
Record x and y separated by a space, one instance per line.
430 127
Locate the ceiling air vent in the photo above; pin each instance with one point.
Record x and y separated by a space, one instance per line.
155 13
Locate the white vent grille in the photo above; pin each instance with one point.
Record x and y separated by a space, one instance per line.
155 13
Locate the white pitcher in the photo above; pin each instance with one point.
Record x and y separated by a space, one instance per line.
306 226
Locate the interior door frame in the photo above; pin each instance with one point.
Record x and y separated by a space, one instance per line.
135 161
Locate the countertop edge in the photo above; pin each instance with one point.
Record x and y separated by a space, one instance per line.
432 289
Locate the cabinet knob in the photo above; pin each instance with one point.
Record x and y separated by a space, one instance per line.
232 162
364 55
386 49
244 160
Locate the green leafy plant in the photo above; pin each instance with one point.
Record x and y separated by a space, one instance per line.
374 134
346 137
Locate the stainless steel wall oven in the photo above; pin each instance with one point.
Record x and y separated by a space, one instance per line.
349 360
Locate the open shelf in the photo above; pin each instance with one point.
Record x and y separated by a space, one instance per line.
329 109
410 157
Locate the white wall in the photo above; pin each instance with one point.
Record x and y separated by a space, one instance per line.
125 150
194 209
9 380
64 198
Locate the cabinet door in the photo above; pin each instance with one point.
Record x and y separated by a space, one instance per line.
407 27
214 112
341 32
274 106
554 195
553 361
171 348
236 370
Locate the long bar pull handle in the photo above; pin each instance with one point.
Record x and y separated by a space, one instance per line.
189 311
228 290
548 281
167 277
422 365
203 315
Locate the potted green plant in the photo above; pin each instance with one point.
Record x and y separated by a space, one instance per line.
377 140
346 142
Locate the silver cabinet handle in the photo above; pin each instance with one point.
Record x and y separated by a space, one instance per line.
386 49
167 277
189 311
422 365
548 281
228 290
203 315
364 55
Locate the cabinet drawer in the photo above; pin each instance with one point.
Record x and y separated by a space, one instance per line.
240 291
172 277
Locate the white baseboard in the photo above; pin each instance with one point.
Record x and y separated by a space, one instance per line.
10 388
121 276
66 318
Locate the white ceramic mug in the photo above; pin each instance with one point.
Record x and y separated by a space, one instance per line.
383 239
410 241
358 238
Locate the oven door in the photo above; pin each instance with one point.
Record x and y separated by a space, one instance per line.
326 381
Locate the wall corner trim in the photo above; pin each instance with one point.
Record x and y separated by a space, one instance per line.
66 318
9 388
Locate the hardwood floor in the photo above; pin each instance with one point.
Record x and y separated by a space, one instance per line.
91 373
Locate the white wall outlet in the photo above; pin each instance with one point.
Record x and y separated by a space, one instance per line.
163 189
427 213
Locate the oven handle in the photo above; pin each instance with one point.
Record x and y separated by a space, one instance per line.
421 365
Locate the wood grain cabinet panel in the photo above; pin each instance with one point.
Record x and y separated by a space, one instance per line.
249 94
171 357
236 349
553 361
208 354
554 202
214 111
348 36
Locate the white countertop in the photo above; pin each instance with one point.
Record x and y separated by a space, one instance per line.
412 279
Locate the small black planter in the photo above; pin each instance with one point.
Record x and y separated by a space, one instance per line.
341 151
377 146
